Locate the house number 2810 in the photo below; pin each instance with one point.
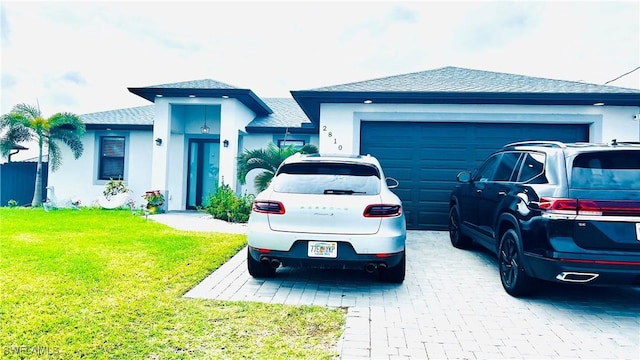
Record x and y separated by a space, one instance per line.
330 135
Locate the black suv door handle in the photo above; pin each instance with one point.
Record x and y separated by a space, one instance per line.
502 193
478 191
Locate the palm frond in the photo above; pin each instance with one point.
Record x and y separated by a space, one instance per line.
67 122
14 136
55 157
309 149
263 180
30 112
69 138
268 159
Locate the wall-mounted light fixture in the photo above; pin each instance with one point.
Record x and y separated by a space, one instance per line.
205 129
158 142
225 143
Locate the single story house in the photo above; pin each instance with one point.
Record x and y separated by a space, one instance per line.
424 127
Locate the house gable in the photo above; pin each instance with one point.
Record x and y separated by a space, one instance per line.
204 88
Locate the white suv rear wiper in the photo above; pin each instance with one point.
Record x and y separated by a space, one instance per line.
342 192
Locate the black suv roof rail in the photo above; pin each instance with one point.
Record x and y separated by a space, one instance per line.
558 144
615 142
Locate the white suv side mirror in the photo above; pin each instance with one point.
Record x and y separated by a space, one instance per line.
392 183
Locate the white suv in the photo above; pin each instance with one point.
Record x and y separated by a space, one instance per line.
328 212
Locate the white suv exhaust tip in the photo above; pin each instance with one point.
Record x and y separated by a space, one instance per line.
576 277
274 263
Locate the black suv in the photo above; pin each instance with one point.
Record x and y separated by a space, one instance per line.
554 211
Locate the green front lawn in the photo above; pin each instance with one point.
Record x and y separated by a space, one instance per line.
107 284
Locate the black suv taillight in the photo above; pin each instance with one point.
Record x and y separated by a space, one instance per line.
589 207
559 206
268 207
382 210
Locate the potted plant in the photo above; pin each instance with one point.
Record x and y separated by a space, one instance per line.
154 199
114 195
114 187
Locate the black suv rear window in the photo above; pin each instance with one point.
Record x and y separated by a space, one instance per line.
614 170
328 178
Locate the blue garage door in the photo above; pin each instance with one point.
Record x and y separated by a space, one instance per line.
426 157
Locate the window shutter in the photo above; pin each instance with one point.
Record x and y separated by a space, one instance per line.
112 158
113 147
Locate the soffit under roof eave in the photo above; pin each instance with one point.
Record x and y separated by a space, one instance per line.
118 127
245 96
309 101
281 130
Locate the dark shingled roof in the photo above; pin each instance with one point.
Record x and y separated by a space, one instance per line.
137 117
195 84
454 79
286 114
453 85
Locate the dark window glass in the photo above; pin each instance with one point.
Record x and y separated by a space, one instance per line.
297 144
615 170
532 170
485 173
506 166
328 178
111 158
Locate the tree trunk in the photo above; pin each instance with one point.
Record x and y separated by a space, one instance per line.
37 192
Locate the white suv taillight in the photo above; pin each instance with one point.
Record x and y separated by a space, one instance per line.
268 207
382 210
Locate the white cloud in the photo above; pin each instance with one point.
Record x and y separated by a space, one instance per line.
82 56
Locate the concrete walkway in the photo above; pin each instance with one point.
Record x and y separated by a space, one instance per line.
451 306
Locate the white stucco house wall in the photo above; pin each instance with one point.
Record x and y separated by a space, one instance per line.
424 127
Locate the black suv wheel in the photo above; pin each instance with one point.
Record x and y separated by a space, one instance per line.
514 279
458 240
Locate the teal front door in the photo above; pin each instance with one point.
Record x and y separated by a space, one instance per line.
203 171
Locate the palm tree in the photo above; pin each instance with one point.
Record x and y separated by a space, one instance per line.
269 160
25 123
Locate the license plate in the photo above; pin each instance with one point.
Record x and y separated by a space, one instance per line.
326 249
638 231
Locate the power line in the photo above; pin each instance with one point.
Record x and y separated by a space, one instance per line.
623 75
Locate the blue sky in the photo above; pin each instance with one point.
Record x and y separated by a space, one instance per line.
81 56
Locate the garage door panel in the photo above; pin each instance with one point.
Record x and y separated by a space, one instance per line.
426 157
436 172
403 192
432 219
455 153
434 186
434 198
399 174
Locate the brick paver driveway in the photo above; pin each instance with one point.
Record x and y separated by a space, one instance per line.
451 306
